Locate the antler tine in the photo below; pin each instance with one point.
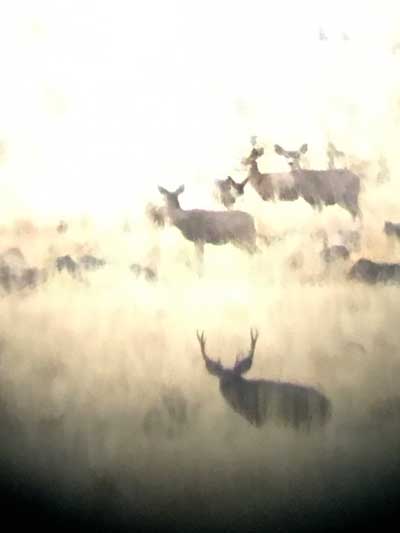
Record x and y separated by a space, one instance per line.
202 341
200 336
243 364
253 339
214 367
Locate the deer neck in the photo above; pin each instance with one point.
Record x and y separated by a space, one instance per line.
174 211
254 172
295 166
175 214
227 378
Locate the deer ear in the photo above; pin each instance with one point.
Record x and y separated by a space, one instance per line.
179 190
303 148
278 149
162 190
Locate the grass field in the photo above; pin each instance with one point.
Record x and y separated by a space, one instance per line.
106 397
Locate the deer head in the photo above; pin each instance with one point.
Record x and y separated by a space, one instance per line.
292 155
254 155
242 364
171 198
237 186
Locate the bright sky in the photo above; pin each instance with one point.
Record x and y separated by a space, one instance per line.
100 100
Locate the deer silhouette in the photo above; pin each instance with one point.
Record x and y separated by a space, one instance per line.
228 190
333 153
368 271
333 253
260 400
318 188
212 227
392 228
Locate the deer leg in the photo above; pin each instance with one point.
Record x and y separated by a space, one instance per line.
199 247
249 246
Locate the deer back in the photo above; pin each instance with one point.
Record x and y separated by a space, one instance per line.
215 227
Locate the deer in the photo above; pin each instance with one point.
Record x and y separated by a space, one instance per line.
228 190
66 262
62 227
392 228
368 271
259 401
90 262
333 253
210 227
333 153
318 188
15 274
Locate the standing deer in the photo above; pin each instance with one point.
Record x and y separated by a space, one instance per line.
333 153
317 187
227 191
212 227
260 400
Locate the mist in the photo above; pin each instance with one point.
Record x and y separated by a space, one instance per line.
106 403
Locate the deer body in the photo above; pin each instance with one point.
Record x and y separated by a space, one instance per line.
273 186
214 227
260 400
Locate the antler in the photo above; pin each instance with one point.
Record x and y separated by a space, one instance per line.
253 340
214 367
202 341
243 365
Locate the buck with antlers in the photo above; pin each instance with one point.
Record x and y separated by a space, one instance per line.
212 227
317 187
260 401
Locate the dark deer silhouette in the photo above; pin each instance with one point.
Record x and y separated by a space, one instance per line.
318 188
15 274
371 272
66 262
392 228
145 272
213 227
260 400
90 262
